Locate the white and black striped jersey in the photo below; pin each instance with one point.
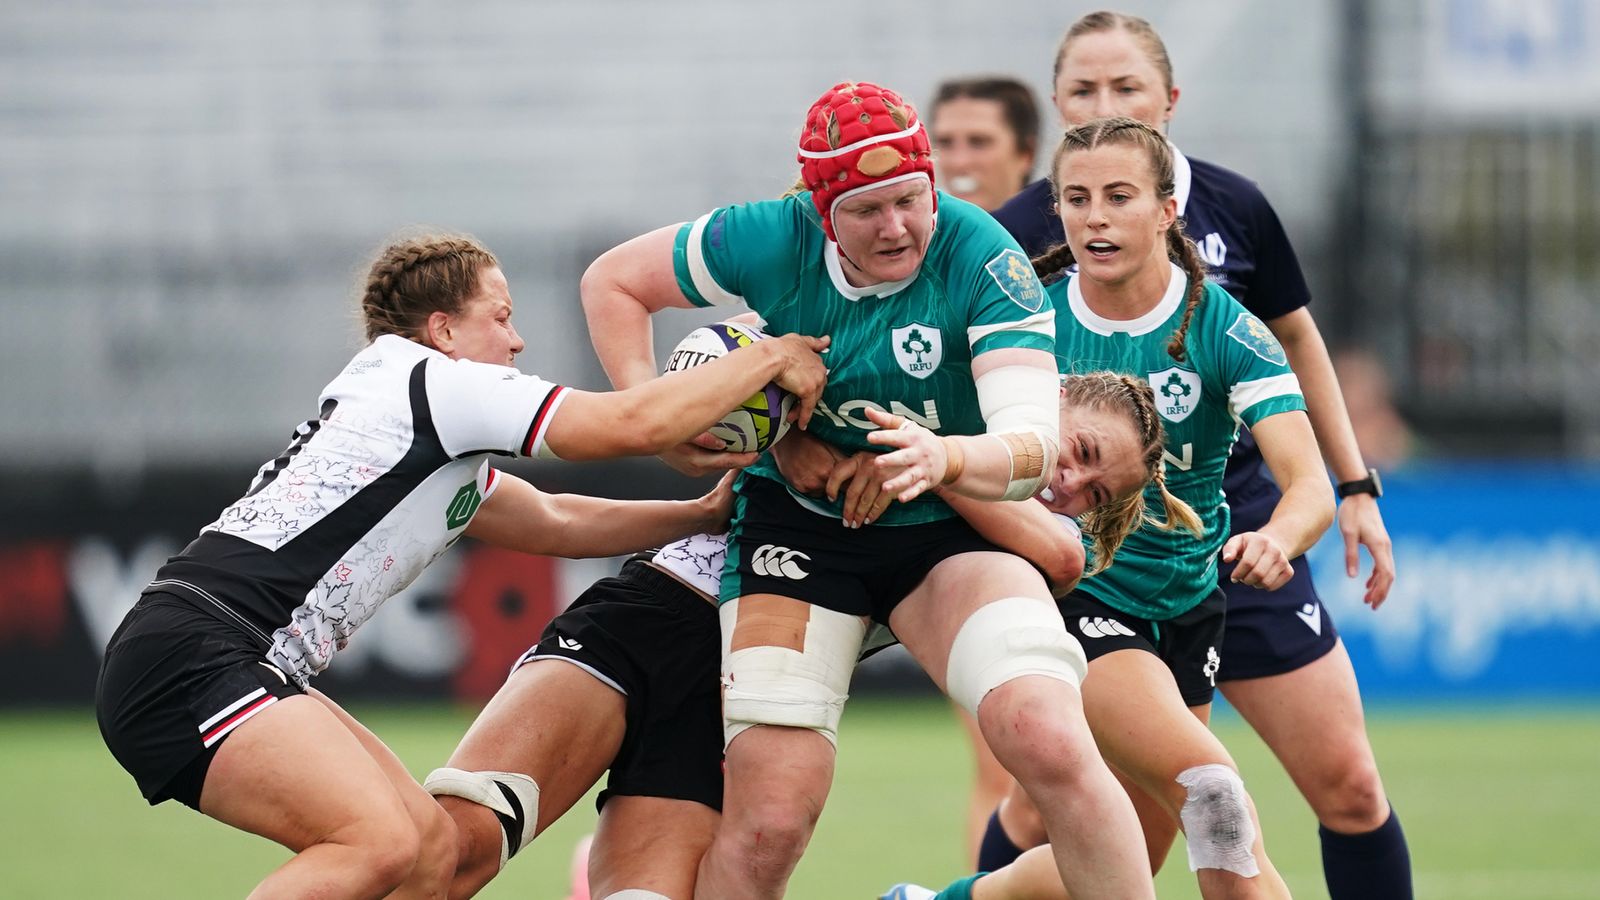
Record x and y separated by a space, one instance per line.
365 497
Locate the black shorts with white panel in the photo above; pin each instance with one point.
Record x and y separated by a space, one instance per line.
779 546
1189 644
658 642
175 682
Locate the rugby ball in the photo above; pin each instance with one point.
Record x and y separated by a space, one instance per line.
758 422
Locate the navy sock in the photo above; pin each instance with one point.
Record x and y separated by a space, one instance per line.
996 852
1371 866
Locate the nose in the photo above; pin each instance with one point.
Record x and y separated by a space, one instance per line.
1104 104
894 224
953 158
517 344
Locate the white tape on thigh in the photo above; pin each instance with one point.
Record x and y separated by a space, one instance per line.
1007 639
779 686
635 894
1216 821
512 796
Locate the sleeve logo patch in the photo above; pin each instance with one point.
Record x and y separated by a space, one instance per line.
1254 334
1012 271
1177 393
917 348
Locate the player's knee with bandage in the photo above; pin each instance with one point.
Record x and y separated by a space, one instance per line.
1216 820
795 688
1005 640
511 796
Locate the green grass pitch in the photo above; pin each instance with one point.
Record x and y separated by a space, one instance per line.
1497 803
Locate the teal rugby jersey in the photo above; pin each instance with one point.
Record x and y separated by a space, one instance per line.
905 347
1235 372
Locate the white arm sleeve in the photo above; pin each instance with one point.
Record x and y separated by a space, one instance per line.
484 408
1023 401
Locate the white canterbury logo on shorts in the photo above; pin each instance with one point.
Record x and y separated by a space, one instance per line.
1097 627
778 562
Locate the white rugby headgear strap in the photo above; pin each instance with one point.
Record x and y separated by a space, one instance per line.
1021 405
798 688
1006 639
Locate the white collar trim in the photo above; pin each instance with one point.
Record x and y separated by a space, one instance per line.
1182 177
1145 324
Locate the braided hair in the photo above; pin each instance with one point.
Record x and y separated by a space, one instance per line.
1108 526
1123 131
414 277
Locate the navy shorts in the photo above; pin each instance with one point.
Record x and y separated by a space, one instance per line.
659 643
1273 632
777 546
174 684
1187 643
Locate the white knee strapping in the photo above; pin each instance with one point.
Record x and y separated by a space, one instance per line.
635 894
1216 821
513 797
779 686
1007 639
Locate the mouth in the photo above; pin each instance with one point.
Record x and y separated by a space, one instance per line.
1101 249
963 184
896 253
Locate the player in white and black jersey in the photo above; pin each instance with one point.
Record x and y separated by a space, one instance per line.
204 691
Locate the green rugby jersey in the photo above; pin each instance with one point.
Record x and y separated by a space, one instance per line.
1235 373
905 347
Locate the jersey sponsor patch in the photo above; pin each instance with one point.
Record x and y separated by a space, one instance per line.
1177 392
1012 271
917 348
1254 334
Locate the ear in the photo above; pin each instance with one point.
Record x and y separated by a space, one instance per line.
1172 103
437 332
1169 213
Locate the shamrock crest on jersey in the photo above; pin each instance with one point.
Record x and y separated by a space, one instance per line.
917 348
1254 333
1177 392
1015 275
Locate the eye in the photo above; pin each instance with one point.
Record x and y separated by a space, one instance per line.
905 202
1077 200
1129 90
1083 451
1120 197
1081 92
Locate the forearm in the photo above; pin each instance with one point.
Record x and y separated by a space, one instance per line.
1308 356
661 412
1303 513
985 466
583 527
1026 528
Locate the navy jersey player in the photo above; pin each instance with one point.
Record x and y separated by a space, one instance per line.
1283 666
204 693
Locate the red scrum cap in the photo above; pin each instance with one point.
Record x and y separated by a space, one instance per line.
859 136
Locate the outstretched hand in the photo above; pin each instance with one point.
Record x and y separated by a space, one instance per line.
919 454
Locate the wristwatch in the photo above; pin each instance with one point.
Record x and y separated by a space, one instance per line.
1371 484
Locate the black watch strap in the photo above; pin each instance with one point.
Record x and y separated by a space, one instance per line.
1371 484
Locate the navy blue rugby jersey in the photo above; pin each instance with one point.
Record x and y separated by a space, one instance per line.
1243 244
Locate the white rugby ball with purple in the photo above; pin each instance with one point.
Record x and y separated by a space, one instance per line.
758 422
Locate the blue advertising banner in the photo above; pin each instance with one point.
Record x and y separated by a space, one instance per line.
1498 594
